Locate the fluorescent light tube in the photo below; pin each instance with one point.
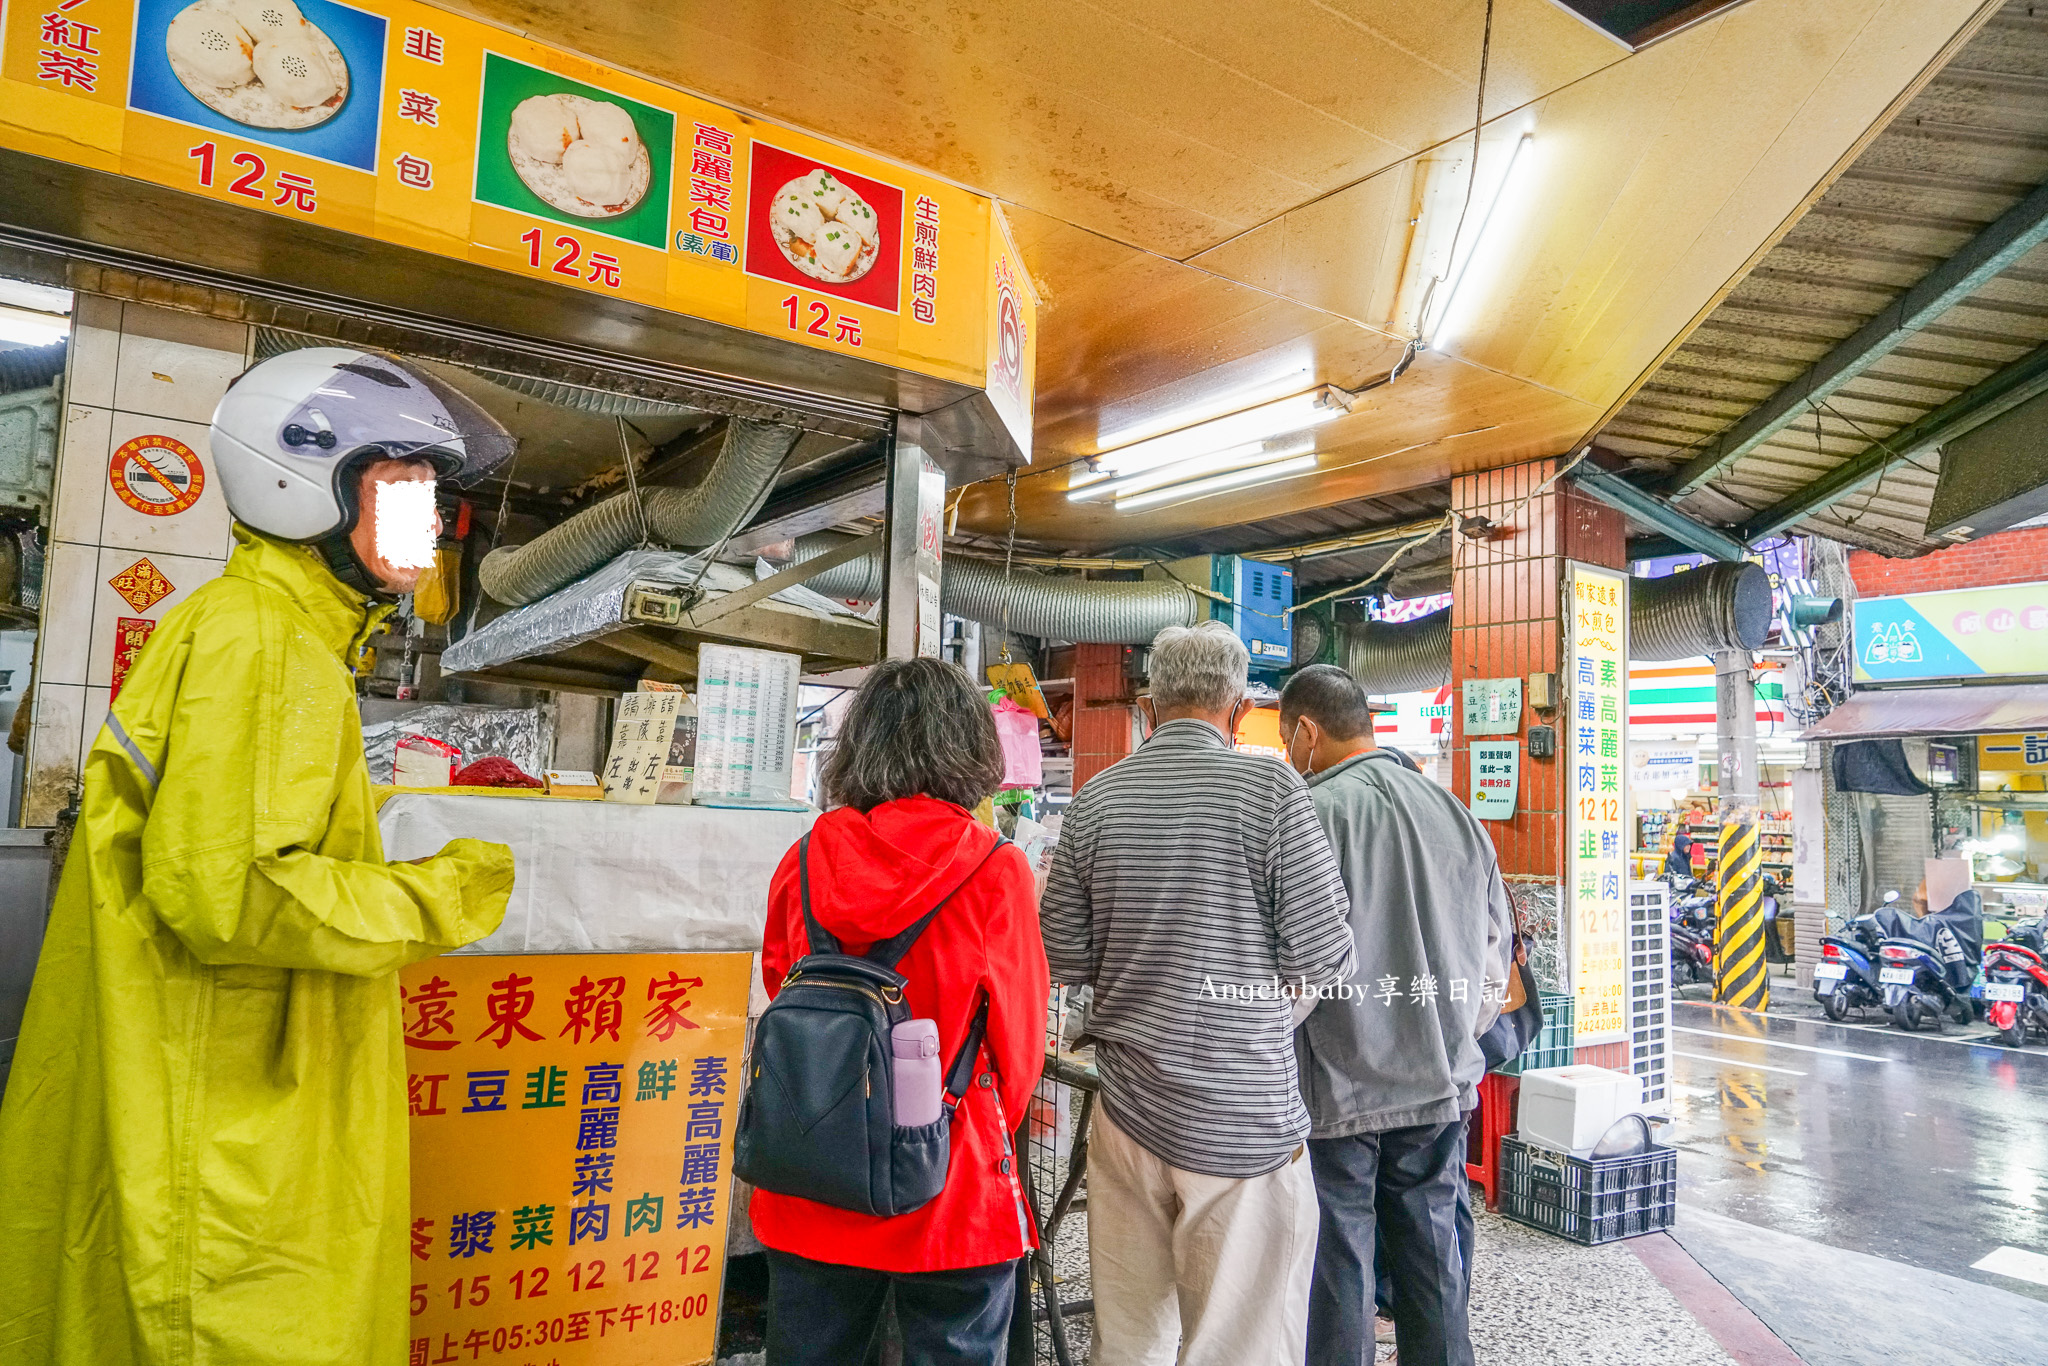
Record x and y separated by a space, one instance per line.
1181 493
1236 457
1294 413
1486 219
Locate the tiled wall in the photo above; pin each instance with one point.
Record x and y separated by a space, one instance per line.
134 371
1505 624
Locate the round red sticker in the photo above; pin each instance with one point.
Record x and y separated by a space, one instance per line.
158 476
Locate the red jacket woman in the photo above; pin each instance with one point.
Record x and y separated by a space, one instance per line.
917 749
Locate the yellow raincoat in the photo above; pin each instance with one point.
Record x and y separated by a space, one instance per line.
203 1148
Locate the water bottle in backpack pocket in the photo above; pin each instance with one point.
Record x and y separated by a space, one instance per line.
840 1071
920 1090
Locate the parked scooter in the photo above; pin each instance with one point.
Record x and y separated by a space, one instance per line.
1845 979
2016 983
1778 940
1927 970
1692 939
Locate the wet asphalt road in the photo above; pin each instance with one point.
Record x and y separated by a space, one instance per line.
1926 1150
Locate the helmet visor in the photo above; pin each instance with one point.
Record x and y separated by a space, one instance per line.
378 401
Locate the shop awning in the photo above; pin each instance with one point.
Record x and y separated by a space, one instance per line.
1936 711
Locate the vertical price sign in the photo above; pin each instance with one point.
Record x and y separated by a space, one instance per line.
572 1119
1596 801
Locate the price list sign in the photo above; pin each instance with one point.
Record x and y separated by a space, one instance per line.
746 726
572 1119
1596 799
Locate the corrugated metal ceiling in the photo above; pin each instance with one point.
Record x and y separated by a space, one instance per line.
1972 144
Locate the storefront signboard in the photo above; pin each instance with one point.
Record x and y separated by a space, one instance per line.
1596 800
572 1124
398 121
1496 778
1664 768
2013 754
1962 633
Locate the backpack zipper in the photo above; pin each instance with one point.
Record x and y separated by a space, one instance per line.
872 993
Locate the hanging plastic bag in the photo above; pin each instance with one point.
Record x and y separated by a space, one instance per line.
1017 728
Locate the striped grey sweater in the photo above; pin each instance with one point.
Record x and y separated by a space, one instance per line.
1188 878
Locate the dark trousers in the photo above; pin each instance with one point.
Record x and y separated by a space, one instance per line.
823 1314
1404 1189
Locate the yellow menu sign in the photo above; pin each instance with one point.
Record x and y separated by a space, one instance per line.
394 120
572 1120
1596 799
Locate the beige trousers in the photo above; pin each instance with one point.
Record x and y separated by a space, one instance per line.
1218 1267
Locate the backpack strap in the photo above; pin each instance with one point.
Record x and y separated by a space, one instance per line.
889 952
815 935
960 1075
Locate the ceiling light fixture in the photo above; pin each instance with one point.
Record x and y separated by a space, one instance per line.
1461 270
1235 457
1281 417
1237 479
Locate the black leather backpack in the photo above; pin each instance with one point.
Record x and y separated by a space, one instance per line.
818 1117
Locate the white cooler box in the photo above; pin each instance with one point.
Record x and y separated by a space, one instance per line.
1569 1109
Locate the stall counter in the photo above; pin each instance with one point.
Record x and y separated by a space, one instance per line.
607 877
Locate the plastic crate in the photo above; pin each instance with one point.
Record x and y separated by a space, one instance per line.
1553 1045
1588 1200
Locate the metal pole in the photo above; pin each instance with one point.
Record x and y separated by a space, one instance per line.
914 518
1740 977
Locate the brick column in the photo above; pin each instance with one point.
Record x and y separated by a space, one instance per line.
1102 716
1505 623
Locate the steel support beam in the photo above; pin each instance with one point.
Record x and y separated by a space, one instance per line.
1653 511
2025 378
2022 228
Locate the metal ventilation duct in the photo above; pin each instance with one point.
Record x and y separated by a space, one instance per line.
1051 608
1719 606
1391 657
727 498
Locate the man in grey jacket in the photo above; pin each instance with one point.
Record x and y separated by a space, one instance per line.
1389 1063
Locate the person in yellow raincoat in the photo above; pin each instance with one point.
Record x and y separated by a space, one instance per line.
203 1150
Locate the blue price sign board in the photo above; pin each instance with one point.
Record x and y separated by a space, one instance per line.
1496 778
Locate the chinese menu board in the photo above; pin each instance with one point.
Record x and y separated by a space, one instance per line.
572 1119
1596 802
394 120
746 726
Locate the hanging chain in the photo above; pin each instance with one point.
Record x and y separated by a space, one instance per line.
1009 562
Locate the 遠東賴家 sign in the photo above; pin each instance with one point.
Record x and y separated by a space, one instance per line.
572 1119
1596 765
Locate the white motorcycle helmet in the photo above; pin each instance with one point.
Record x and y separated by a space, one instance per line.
292 432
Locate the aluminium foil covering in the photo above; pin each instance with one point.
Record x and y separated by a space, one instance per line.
521 734
595 606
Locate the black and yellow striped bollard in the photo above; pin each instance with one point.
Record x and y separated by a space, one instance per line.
1739 973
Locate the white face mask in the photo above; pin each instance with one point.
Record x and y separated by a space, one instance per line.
405 523
1287 743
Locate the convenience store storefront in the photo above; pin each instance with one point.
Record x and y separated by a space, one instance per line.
1954 683
618 306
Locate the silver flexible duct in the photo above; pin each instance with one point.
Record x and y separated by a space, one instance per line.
1095 612
1391 657
729 495
1719 606
1682 616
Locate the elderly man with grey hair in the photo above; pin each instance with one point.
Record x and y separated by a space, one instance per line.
1195 892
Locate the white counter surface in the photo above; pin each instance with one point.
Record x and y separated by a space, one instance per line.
605 877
